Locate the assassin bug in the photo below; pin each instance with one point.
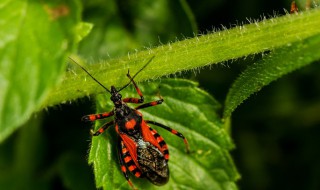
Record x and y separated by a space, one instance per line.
141 149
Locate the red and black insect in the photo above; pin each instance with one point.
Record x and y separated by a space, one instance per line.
141 149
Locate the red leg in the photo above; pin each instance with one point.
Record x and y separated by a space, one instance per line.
102 129
172 131
161 142
93 117
134 100
154 103
135 85
126 160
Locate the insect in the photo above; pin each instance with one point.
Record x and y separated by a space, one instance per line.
141 149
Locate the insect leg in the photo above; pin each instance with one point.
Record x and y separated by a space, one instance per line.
102 129
122 152
161 142
93 117
154 103
172 131
134 100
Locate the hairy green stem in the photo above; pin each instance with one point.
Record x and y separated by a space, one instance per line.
191 53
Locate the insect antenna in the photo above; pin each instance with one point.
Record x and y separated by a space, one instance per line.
136 73
89 74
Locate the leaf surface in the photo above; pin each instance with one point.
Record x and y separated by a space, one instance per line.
190 111
35 40
278 63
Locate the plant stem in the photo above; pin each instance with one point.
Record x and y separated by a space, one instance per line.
193 53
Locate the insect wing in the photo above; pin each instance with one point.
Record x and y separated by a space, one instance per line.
153 164
149 135
131 146
154 138
153 156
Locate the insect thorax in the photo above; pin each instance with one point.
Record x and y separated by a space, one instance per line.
122 112
128 120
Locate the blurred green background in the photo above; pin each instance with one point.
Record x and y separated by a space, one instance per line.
276 131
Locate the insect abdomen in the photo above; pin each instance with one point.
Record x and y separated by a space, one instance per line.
153 164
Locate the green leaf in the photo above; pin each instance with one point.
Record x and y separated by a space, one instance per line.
35 39
191 54
192 112
83 29
278 63
108 36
